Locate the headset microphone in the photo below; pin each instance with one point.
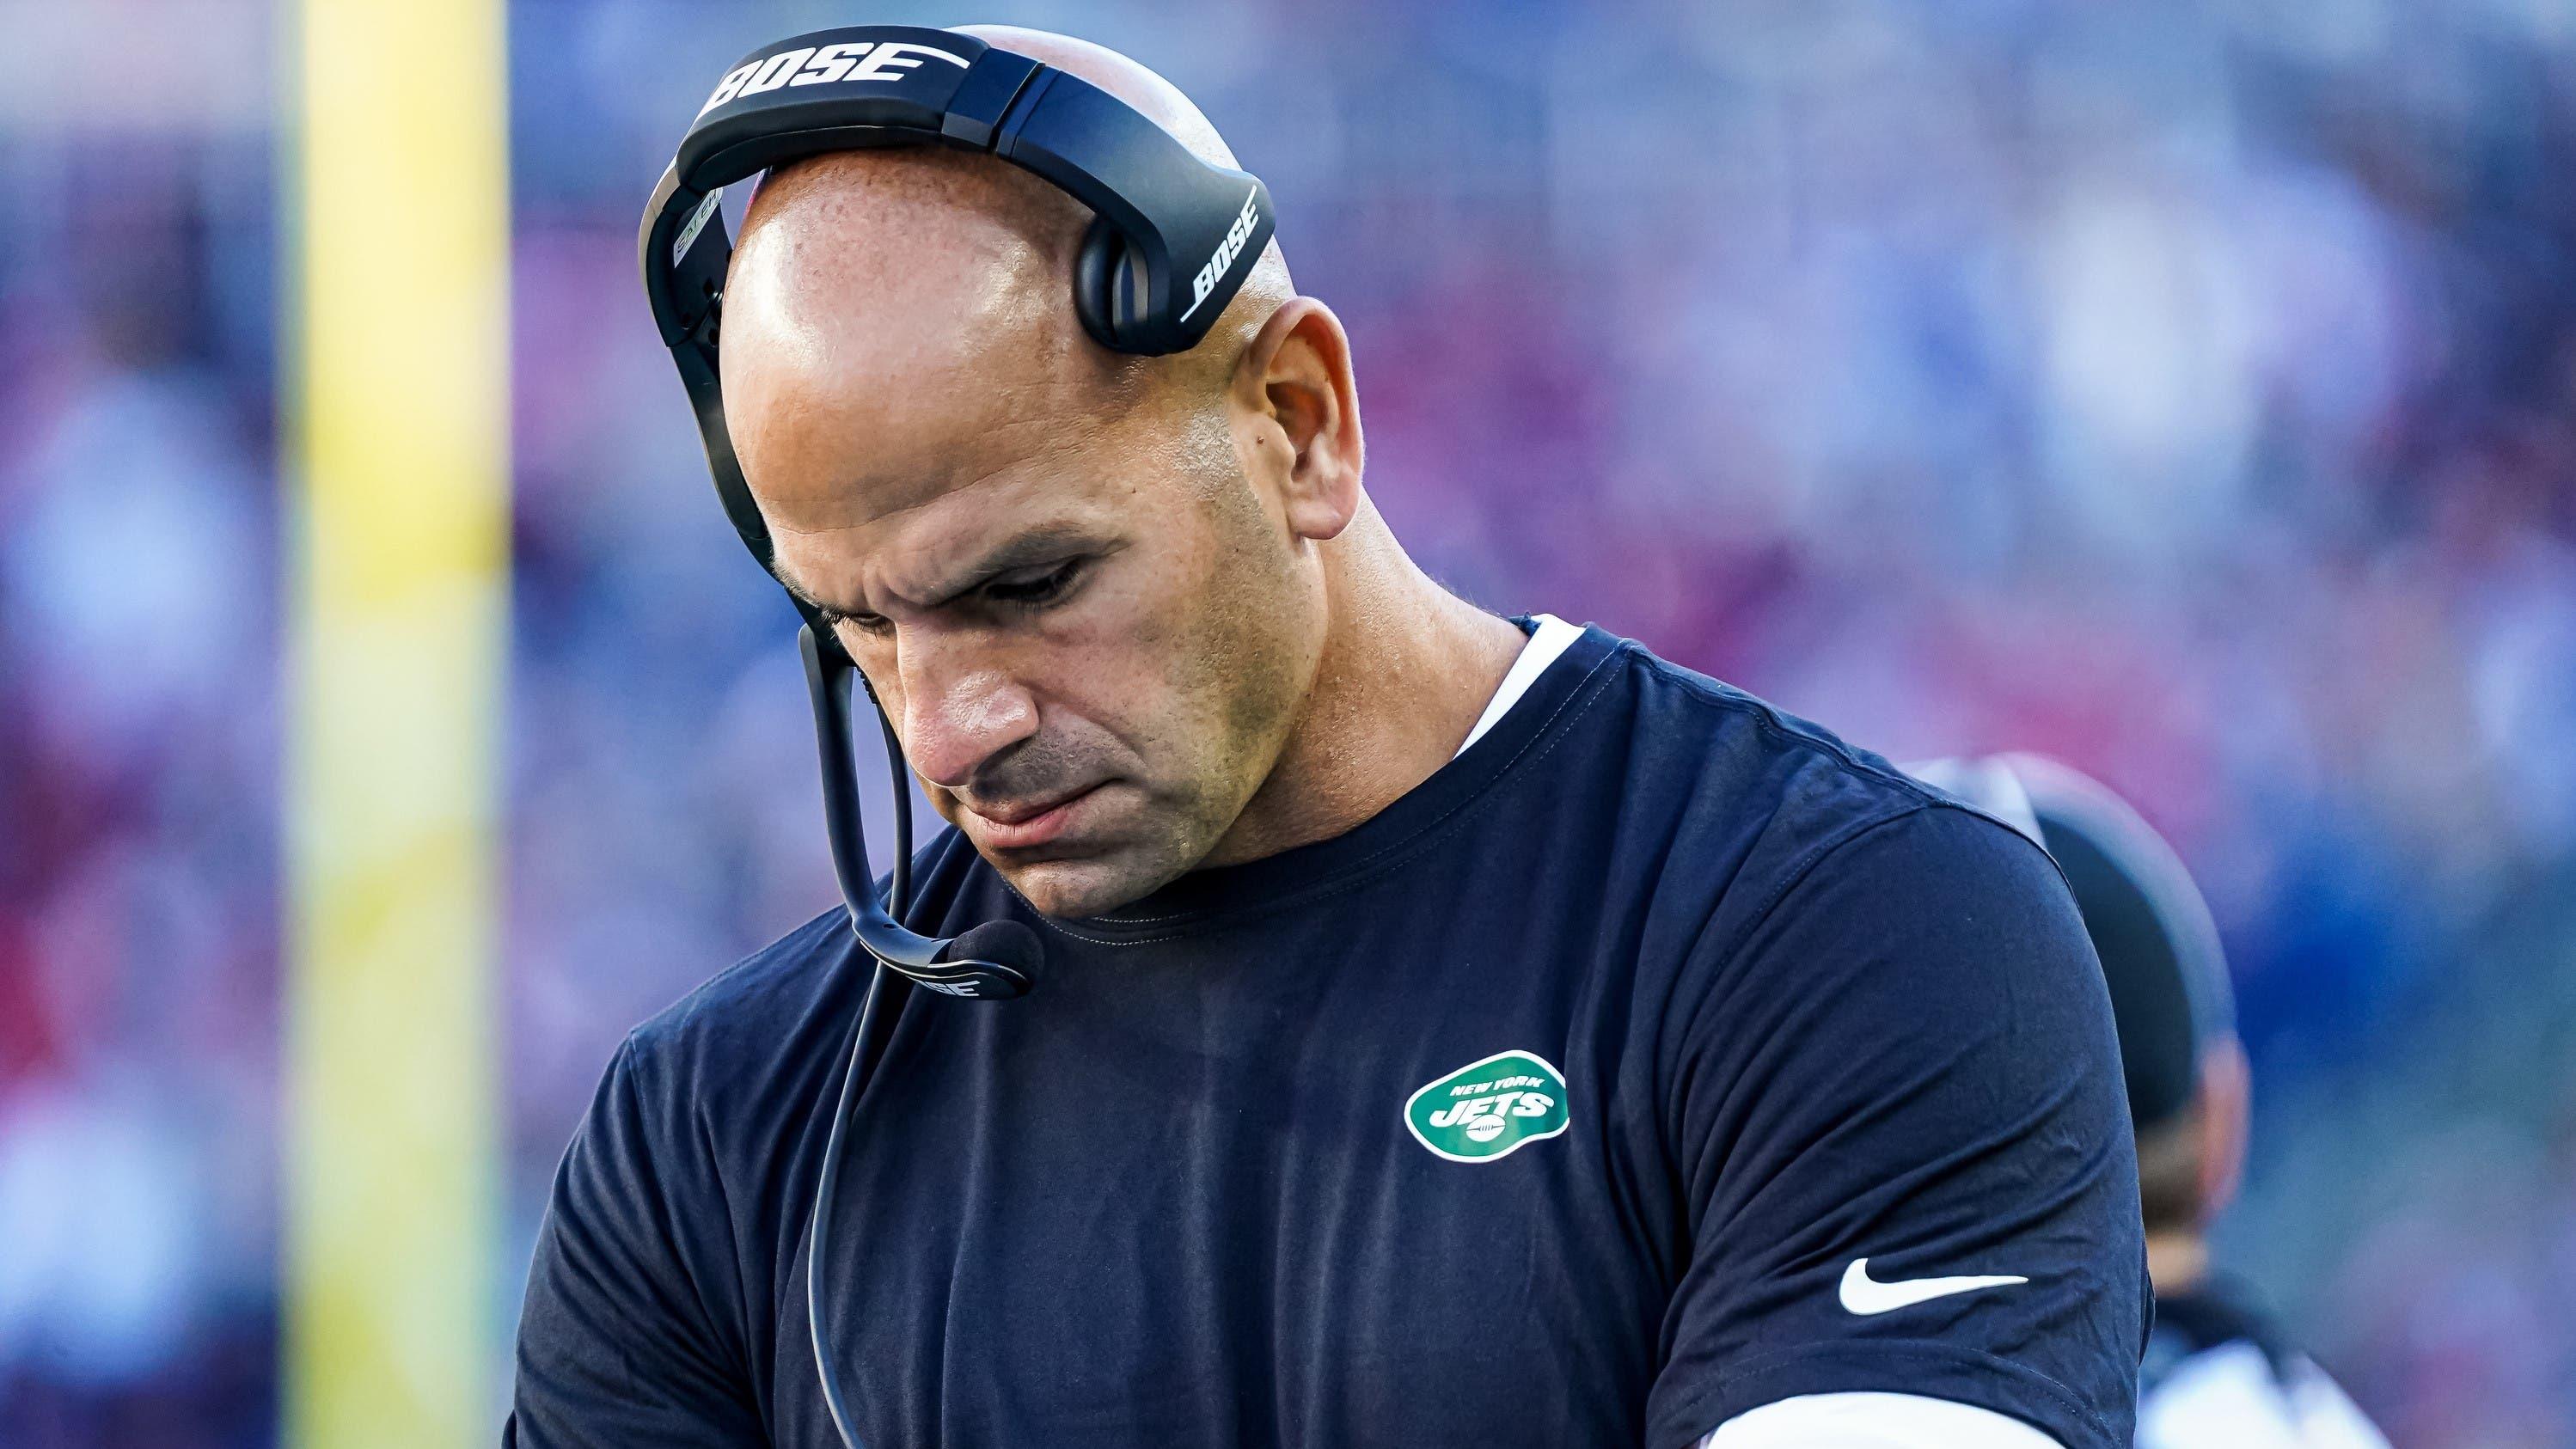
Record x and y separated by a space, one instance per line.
993 961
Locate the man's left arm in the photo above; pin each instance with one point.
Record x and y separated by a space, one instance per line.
1896 1108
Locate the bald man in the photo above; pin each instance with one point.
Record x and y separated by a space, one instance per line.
1458 1030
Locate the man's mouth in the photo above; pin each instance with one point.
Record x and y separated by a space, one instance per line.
1018 826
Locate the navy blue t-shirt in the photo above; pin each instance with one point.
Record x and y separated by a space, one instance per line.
1551 1106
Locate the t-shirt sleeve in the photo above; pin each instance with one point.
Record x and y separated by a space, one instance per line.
1899 1080
623 1339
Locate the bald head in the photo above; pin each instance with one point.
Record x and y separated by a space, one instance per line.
1064 570
945 266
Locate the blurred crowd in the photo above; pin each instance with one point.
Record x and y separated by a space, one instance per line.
2187 391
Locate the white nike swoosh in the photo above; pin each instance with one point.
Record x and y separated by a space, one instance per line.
1864 1296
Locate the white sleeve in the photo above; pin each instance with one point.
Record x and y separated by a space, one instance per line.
1873 1421
2228 1395
2328 1418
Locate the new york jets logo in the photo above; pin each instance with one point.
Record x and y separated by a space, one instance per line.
1489 1109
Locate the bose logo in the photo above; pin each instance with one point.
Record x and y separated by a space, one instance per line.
807 66
1221 260
950 988
697 223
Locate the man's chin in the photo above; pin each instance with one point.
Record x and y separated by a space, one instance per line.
1079 886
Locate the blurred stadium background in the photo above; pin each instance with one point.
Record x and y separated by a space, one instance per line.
2186 390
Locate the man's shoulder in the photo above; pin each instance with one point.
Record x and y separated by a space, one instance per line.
1777 793
720 1091
1765 856
797 989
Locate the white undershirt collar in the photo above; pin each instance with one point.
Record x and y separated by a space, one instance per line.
1548 640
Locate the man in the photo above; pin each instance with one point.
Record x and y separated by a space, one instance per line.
1455 1032
2219 1373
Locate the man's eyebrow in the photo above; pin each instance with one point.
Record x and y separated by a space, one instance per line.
1039 545
797 592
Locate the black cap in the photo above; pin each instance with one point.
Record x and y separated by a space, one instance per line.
2160 952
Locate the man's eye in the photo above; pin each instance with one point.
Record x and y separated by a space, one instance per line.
865 623
1045 588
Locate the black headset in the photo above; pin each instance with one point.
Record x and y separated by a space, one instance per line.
1172 239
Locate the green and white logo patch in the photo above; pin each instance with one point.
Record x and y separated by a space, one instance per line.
1486 1109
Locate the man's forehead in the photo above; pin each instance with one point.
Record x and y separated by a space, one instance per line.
833 451
873 368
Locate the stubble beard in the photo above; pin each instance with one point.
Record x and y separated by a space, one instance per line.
1241 674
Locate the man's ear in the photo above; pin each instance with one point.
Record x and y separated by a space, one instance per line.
1298 416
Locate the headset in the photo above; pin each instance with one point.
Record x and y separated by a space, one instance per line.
1172 239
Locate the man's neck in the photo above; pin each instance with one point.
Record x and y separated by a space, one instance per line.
1405 670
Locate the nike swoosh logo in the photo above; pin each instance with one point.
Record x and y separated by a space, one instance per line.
1864 1295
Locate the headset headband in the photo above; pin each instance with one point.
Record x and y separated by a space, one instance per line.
1172 239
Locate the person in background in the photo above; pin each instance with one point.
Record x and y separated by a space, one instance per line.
2218 1369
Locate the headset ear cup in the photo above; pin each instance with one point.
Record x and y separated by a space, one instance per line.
1127 298
1100 283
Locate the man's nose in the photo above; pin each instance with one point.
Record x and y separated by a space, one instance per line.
957 715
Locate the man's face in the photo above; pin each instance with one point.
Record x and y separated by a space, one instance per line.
1088 623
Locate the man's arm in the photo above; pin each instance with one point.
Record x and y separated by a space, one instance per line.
1896 1109
622 1342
